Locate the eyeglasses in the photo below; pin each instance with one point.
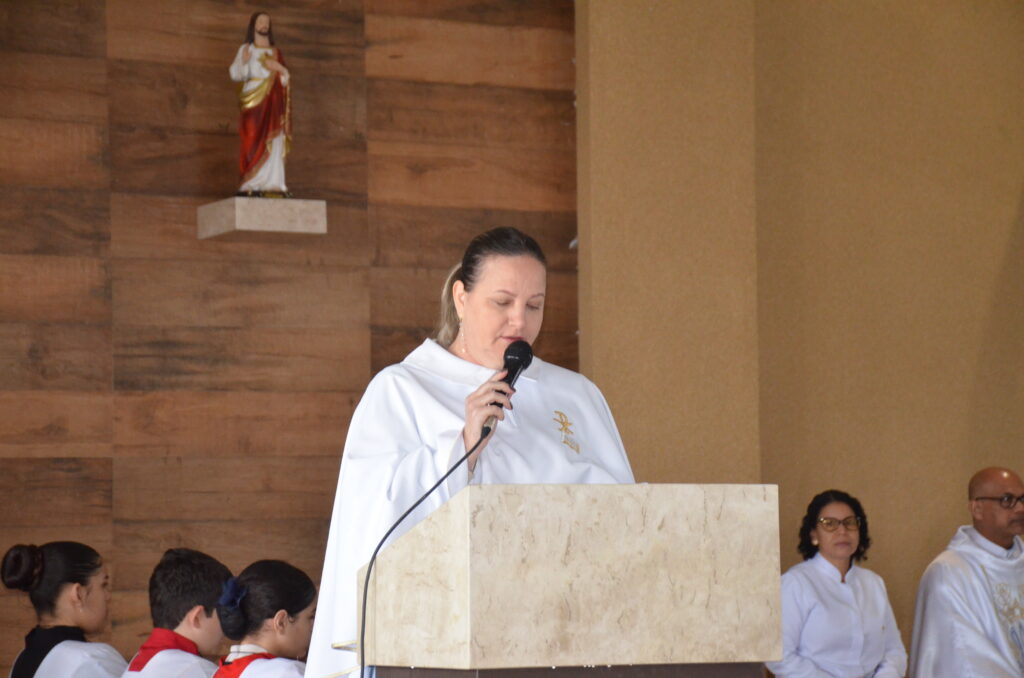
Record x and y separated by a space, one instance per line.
832 524
1007 501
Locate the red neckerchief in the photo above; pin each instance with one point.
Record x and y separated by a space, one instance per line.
161 639
234 669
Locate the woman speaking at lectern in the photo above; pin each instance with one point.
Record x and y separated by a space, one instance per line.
417 418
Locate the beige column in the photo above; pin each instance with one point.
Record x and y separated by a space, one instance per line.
667 232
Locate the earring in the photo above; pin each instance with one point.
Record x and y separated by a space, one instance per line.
462 335
814 542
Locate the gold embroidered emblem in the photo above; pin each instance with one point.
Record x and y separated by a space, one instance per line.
564 427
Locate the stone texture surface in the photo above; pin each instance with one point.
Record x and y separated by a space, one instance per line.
576 575
237 215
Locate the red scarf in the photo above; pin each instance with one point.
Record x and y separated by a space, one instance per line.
235 668
161 639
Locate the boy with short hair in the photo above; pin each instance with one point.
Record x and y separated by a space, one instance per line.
183 593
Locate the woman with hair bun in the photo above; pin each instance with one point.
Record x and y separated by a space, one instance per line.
269 607
836 616
417 418
69 587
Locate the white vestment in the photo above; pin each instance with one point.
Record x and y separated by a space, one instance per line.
174 663
252 74
278 667
969 621
77 659
836 629
407 432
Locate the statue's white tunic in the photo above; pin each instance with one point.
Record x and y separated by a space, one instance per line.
969 621
406 433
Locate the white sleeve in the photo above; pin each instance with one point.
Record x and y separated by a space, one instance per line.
948 640
894 662
104 662
239 69
794 616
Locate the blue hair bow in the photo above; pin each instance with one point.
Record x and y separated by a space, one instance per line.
231 594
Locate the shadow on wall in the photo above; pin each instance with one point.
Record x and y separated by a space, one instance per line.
996 424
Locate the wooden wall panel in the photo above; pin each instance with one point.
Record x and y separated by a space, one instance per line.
230 488
45 153
237 294
53 418
475 116
313 38
194 97
173 162
211 423
54 87
62 357
152 359
429 50
64 27
402 231
541 13
54 222
54 289
438 175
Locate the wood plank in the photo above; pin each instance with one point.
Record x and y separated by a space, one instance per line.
436 175
55 222
558 14
404 297
202 98
30 150
41 289
52 87
66 27
164 227
411 298
58 357
559 348
55 417
229 488
391 345
429 50
139 544
436 237
130 618
313 38
152 359
251 424
64 493
180 96
171 162
237 294
471 116
328 169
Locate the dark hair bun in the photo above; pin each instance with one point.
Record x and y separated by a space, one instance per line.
22 567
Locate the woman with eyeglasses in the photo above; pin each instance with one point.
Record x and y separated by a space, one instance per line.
836 616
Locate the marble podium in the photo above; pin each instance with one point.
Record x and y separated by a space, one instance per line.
515 576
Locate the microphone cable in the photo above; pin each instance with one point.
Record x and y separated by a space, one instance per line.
373 558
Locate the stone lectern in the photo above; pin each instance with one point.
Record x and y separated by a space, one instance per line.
684 578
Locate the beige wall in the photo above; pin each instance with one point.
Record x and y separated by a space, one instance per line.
665 125
889 321
890 178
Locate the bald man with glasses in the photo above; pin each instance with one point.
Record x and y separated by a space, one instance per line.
970 604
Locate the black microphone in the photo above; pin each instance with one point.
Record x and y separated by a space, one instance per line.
518 357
